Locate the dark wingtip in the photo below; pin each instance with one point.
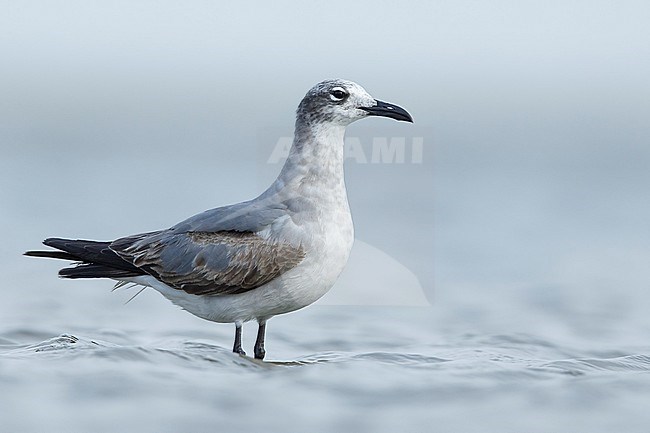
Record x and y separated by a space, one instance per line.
62 255
54 242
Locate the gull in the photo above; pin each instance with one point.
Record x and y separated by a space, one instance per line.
271 255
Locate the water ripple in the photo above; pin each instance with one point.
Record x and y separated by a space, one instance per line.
498 356
629 363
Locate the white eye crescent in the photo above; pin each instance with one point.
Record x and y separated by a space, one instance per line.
338 94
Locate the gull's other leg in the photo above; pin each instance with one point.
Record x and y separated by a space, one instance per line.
259 343
237 347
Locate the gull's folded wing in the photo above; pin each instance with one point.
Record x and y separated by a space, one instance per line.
209 263
249 216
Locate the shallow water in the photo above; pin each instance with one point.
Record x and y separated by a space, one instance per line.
370 369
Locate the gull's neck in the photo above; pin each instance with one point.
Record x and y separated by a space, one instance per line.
315 161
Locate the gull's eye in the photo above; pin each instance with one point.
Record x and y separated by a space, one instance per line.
338 94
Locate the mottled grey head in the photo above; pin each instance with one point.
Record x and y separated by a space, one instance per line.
343 102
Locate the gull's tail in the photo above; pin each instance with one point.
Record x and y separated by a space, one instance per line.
94 259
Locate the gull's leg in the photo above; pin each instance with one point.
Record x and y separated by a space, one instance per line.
237 347
259 343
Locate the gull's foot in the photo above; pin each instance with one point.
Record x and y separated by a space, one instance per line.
259 353
237 346
259 343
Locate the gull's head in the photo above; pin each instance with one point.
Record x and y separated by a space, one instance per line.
342 102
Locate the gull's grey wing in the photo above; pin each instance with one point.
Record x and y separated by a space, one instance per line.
249 216
209 263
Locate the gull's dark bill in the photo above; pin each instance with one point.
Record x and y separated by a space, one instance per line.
386 109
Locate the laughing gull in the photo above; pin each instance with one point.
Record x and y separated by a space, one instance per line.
253 260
